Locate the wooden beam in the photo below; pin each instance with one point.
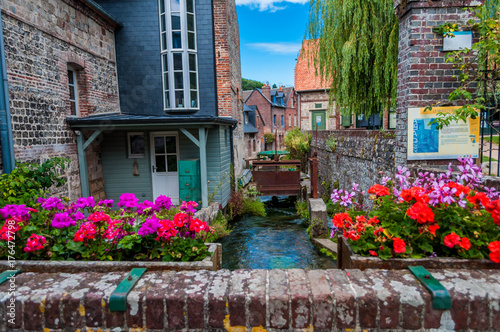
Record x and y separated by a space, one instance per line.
191 137
82 163
203 166
91 139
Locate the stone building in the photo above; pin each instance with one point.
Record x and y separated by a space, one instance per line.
109 88
312 93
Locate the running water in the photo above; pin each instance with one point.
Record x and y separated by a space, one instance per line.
277 241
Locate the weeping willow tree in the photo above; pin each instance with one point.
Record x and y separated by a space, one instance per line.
357 51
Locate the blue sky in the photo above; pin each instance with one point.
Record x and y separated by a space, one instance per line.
271 35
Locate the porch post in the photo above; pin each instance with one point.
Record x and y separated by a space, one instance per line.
203 167
82 163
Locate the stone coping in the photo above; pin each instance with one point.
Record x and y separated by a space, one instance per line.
251 300
211 263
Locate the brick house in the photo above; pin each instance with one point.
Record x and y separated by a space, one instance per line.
312 93
277 113
135 101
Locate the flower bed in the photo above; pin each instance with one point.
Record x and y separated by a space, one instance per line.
429 217
59 230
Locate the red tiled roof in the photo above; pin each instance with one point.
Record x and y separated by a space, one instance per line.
305 77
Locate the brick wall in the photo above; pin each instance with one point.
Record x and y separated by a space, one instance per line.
41 39
423 76
228 73
359 156
276 300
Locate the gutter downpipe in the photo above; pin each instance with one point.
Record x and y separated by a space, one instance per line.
6 138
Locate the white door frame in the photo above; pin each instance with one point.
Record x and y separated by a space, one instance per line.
156 190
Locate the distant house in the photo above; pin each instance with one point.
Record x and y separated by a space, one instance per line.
143 96
277 113
252 119
312 92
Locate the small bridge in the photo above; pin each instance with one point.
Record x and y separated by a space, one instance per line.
277 178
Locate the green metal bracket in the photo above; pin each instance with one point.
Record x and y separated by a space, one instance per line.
5 275
440 297
118 300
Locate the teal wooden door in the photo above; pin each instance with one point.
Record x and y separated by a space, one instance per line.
318 116
189 180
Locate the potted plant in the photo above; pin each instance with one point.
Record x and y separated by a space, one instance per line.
418 222
58 230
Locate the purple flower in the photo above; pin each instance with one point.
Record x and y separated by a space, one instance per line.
106 202
84 202
355 186
491 193
334 230
62 220
141 208
162 202
51 203
433 255
385 179
150 226
14 210
77 216
128 201
189 207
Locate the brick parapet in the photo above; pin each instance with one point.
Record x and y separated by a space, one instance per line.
424 77
276 300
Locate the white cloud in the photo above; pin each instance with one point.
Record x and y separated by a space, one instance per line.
270 5
277 48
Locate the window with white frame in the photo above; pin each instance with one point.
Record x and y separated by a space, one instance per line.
73 93
179 54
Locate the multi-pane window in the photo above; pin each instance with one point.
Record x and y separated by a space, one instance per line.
179 54
73 97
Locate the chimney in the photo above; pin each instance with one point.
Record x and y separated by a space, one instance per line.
266 91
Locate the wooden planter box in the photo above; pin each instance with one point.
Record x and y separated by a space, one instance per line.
347 259
211 263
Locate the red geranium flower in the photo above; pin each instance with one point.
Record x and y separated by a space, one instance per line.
35 243
465 243
420 212
495 251
416 193
433 229
451 240
373 220
373 253
399 245
379 190
339 218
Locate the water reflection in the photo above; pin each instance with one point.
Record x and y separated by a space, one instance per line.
277 241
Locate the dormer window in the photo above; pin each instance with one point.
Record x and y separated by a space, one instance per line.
179 54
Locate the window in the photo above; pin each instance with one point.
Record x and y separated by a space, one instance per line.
179 54
282 123
275 119
318 105
295 116
289 120
392 118
135 145
73 93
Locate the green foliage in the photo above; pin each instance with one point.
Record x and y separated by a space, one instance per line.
479 67
302 210
27 181
328 253
298 144
254 207
252 191
220 228
331 143
356 52
269 138
250 84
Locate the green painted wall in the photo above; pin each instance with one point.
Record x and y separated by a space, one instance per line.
118 168
218 165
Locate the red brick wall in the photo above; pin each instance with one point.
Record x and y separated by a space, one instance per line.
424 77
277 300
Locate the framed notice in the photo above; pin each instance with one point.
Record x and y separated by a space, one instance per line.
425 141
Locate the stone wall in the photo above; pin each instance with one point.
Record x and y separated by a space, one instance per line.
244 300
358 156
42 38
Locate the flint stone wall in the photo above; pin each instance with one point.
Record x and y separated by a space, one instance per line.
361 156
257 300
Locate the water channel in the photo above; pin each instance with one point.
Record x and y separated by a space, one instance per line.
277 241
